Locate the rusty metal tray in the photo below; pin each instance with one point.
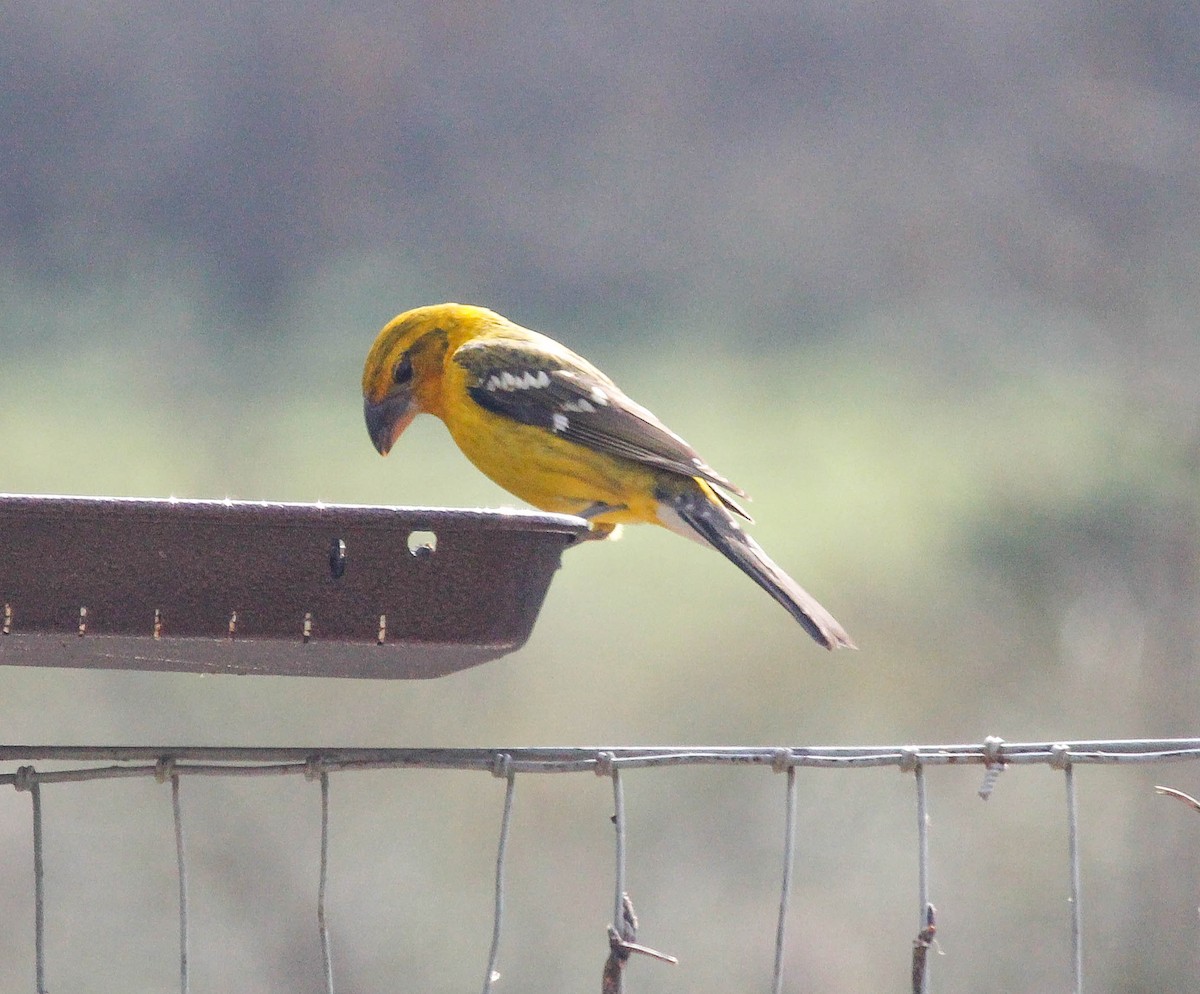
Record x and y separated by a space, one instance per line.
271 588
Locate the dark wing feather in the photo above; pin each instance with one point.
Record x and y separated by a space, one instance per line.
562 393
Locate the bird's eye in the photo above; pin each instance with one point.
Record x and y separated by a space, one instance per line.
403 371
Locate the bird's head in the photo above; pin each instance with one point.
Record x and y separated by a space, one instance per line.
402 374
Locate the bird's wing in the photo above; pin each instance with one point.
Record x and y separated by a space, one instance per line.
562 393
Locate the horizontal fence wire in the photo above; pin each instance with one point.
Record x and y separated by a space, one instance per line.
271 761
169 764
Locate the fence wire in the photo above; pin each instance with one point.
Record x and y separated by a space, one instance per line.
174 763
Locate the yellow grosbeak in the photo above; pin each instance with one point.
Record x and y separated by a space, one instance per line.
549 427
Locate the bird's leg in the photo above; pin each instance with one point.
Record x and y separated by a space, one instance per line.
597 509
602 530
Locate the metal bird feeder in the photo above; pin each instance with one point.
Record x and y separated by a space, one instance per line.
270 588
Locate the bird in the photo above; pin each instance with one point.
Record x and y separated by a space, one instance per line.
553 430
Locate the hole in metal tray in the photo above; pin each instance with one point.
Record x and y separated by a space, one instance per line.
422 544
337 558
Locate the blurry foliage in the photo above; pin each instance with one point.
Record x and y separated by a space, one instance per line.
920 277
777 160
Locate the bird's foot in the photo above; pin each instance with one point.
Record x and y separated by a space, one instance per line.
598 530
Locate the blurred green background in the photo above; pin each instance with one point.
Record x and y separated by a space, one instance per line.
921 277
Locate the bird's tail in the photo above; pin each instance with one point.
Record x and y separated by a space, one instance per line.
702 518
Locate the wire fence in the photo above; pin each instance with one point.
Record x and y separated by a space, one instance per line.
173 764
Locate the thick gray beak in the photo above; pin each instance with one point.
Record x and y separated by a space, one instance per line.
387 419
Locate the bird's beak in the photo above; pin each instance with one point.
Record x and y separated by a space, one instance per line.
386 419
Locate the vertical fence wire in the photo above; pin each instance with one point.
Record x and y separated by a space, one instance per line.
789 837
181 867
1073 857
39 886
922 844
619 824
920 978
490 975
322 923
